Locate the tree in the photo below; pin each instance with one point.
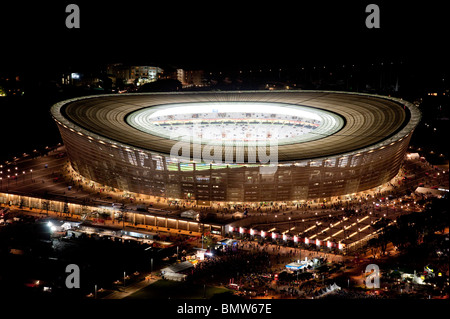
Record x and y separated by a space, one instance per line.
164 85
305 276
84 210
123 212
104 215
395 274
46 205
374 244
209 241
66 207
384 233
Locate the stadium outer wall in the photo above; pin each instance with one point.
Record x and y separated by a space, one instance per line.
147 172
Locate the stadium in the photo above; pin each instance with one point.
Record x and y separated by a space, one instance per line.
212 146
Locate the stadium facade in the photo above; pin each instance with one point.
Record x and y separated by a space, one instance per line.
328 143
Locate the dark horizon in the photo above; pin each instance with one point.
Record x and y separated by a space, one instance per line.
223 35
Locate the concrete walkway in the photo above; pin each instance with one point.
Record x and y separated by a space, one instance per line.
128 290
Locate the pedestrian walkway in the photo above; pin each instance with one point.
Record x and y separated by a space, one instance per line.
128 290
106 222
291 252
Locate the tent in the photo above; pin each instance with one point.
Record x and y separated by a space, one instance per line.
238 215
296 266
413 156
228 242
314 263
174 276
192 214
426 190
329 289
334 287
178 267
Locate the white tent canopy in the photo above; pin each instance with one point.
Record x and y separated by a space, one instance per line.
413 156
238 215
176 268
427 190
329 289
174 276
190 214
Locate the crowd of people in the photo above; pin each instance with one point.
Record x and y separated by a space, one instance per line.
231 265
234 126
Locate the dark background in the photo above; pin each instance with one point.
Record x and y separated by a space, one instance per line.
210 35
217 33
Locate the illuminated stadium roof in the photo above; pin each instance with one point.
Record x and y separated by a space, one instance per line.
341 123
230 123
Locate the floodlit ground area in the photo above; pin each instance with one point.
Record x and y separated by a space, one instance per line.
166 289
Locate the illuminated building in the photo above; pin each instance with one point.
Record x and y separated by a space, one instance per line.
341 143
130 74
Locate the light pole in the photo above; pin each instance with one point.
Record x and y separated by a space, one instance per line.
123 209
362 278
289 225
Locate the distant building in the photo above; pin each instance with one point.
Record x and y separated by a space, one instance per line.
180 75
192 77
188 78
138 74
81 79
173 74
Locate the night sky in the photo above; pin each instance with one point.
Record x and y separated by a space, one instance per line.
218 34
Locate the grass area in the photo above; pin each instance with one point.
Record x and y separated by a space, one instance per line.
165 289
